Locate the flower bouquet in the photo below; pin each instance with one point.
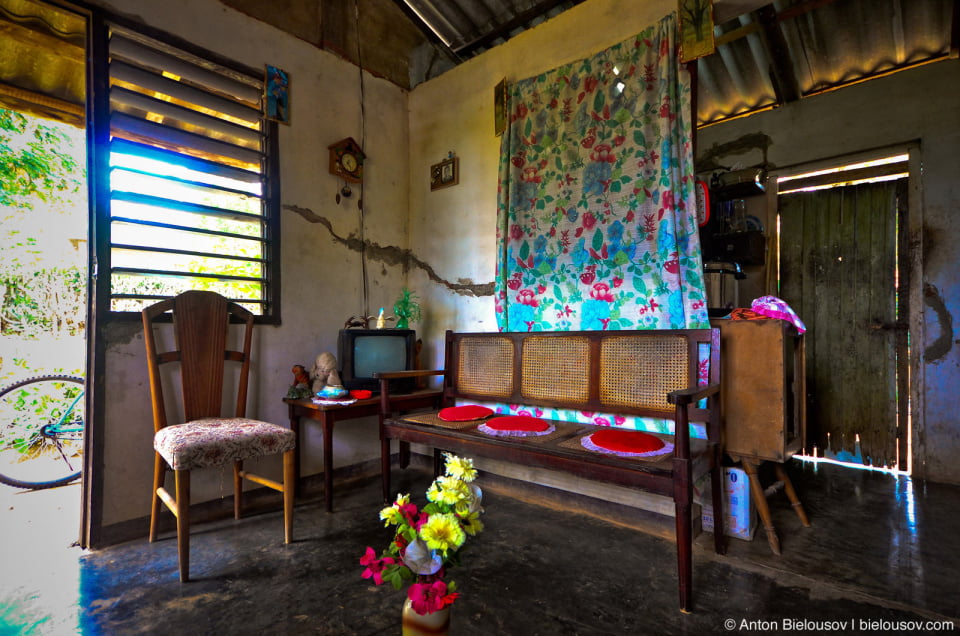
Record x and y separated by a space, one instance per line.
428 541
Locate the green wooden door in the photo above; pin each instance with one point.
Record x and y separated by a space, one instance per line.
838 268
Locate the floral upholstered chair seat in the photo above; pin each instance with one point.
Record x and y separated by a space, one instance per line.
216 441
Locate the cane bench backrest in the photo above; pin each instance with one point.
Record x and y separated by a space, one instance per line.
612 372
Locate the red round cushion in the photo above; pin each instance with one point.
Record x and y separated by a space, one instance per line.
621 441
464 413
523 423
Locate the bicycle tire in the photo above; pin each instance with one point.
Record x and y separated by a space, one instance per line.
8 430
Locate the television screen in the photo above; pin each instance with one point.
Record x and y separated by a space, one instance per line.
363 352
378 353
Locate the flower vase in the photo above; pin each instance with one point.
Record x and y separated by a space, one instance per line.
435 624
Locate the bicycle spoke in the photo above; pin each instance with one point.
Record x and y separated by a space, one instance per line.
41 431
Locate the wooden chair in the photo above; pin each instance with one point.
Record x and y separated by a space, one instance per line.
201 323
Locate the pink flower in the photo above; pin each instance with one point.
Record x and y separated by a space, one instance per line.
427 598
374 565
528 297
601 291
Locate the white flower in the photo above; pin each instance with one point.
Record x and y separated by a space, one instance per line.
421 559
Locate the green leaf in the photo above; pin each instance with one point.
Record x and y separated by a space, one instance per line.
528 128
639 139
623 116
598 240
524 250
598 101
615 186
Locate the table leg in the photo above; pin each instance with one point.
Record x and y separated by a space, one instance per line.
792 495
385 466
328 461
760 500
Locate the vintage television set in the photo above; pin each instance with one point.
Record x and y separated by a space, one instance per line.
363 352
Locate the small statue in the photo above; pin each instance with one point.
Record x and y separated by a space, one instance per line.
324 372
300 389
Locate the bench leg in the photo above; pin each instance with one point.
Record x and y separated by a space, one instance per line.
684 554
404 454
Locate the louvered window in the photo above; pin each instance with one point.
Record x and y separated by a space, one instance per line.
188 179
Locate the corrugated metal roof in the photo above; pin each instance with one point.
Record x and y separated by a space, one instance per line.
782 51
771 55
469 27
798 48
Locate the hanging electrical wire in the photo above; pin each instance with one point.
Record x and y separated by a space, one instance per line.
363 144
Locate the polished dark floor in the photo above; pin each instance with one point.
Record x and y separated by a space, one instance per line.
881 551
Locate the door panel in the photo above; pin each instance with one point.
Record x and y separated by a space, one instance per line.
839 272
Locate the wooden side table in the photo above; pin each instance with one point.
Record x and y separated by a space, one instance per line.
328 414
763 403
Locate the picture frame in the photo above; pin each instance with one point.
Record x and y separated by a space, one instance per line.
445 174
276 94
695 29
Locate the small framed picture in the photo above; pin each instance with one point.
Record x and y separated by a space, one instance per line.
276 94
696 29
446 173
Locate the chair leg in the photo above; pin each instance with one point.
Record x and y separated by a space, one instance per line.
289 489
159 471
183 523
237 489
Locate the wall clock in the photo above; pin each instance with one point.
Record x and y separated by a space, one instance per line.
346 160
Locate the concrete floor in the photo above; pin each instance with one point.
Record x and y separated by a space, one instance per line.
880 548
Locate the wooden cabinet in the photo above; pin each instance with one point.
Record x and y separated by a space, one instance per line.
763 388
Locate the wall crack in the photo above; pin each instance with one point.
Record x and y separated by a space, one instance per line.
939 348
393 255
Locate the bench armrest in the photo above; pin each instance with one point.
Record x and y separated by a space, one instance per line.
416 373
693 394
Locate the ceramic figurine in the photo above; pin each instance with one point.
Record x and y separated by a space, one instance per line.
324 372
300 389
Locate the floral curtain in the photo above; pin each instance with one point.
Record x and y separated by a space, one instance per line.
596 206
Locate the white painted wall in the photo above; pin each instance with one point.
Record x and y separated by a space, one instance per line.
321 281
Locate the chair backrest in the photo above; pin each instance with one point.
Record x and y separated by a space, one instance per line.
201 321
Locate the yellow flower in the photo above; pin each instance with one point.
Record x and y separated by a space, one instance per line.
450 490
391 514
461 468
472 524
443 532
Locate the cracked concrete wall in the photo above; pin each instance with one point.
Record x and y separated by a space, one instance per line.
922 105
320 242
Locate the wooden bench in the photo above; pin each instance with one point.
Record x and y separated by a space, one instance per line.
631 373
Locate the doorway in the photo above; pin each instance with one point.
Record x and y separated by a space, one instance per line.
44 274
843 268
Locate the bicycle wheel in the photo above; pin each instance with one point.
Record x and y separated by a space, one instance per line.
41 431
